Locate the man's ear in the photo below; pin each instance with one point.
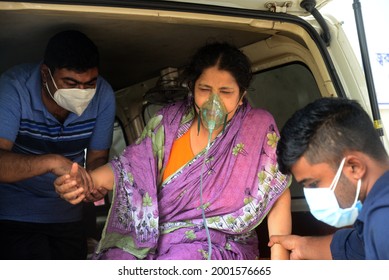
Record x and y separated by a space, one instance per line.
44 71
355 167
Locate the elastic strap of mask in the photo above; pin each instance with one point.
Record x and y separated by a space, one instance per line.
237 104
225 122
358 191
337 176
47 85
51 76
48 90
225 118
198 124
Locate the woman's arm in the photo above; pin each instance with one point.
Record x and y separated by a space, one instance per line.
279 222
103 177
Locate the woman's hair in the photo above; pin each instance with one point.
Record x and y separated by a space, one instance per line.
226 57
324 130
71 49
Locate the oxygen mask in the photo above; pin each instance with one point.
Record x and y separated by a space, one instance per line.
213 113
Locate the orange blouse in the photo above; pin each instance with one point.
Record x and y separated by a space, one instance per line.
180 154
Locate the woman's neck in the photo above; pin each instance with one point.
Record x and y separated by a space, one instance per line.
199 138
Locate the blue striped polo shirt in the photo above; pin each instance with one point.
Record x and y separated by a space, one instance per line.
25 121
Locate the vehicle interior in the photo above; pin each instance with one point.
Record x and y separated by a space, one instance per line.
144 48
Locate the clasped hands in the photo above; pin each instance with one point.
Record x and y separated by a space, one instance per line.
77 186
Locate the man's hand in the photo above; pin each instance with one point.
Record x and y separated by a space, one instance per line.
305 247
64 166
292 243
75 186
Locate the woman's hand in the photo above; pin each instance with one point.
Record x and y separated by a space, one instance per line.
95 195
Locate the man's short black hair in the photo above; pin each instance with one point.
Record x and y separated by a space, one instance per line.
71 49
324 130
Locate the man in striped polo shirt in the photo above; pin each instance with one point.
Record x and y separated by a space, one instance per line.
50 114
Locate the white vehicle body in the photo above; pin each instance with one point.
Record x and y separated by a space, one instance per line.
137 40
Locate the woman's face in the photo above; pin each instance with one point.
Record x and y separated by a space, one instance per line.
220 82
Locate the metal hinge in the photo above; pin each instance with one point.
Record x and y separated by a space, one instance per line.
279 7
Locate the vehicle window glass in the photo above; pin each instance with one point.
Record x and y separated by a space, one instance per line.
118 140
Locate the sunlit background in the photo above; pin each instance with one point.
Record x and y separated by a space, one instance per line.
376 21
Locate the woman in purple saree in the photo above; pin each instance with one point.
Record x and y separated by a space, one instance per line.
235 179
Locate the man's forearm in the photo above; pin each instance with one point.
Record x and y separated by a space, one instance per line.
16 167
317 248
95 159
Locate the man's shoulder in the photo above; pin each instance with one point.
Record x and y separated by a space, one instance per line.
104 93
103 85
20 74
20 80
20 70
381 186
378 196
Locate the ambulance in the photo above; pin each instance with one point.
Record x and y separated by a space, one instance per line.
298 54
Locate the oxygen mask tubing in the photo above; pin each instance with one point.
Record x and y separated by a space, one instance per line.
213 114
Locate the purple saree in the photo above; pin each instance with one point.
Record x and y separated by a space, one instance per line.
150 219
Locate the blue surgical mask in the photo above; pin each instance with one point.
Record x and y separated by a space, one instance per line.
325 207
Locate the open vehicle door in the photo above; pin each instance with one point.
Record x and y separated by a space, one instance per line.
298 55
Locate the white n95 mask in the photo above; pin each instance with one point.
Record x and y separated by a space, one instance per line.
325 207
72 99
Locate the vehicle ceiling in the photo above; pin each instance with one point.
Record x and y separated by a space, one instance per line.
291 6
132 49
